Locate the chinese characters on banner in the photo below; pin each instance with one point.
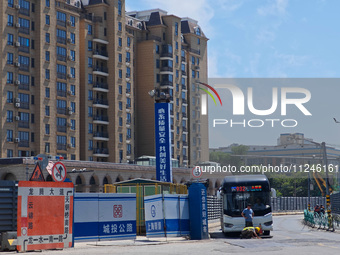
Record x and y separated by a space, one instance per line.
204 211
163 144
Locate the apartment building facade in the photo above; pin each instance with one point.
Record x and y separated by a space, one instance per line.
76 75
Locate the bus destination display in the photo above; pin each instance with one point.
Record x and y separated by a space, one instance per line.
246 188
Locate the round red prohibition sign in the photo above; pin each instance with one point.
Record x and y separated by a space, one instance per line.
59 172
196 172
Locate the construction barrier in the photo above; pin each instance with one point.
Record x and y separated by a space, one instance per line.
100 217
166 215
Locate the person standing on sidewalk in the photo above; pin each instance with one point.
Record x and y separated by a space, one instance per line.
248 214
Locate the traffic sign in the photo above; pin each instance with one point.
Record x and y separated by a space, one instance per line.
37 174
59 172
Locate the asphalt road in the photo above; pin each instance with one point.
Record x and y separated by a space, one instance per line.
290 236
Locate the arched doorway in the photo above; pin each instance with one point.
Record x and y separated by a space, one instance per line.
9 177
79 184
93 184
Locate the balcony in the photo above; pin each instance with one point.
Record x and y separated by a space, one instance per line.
100 86
24 48
24 11
61 129
101 54
185 158
101 119
101 152
25 68
166 51
183 59
184 114
61 57
167 69
24 30
61 23
61 93
167 83
61 147
185 144
101 70
24 86
128 122
184 129
62 111
61 76
100 103
23 124
24 105
24 143
184 101
61 40
184 73
101 136
184 87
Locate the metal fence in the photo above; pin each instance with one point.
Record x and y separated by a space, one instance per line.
335 202
279 204
8 206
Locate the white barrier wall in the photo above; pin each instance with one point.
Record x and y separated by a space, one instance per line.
104 216
166 215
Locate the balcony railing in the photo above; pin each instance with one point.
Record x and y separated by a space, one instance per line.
184 87
166 83
61 147
104 151
184 73
62 110
23 67
61 129
183 59
61 57
24 11
185 143
24 86
100 69
128 137
61 40
184 114
24 30
24 105
61 76
128 122
100 101
101 134
23 124
100 118
101 53
167 69
184 101
184 129
101 85
24 143
61 23
61 93
24 48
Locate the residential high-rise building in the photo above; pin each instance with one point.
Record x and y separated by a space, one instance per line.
76 76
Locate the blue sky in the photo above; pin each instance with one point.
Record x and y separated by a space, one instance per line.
268 39
263 38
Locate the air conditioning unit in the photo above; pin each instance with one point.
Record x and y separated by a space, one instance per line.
17 25
17 44
70 112
69 23
69 124
17 140
69 108
69 145
69 40
17 100
17 105
17 6
17 82
69 57
17 117
69 75
70 92
17 64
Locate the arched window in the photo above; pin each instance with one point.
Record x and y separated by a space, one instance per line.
198 31
105 181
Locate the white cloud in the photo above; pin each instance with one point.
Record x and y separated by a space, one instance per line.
276 7
229 5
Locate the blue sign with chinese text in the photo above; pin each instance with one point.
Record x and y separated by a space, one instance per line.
163 142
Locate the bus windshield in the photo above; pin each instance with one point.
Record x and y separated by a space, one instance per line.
235 202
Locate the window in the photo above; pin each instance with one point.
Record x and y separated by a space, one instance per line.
198 41
120 138
90 78
90 128
90 145
73 124
128 102
47 147
198 61
47 129
120 73
105 33
176 45
89 62
73 142
128 72
128 87
89 46
47 92
9 135
9 153
157 49
90 97
73 89
47 74
193 74
10 3
24 25
128 133
73 55
120 121
158 78
89 29
9 58
61 36
120 42
73 38
198 74
104 15
9 39
176 28
90 111
120 104
33 7
120 90
73 21
61 139
47 56
128 41
128 149
73 107
73 72
32 118
32 81
9 116
47 19
47 3
47 110
128 56
9 97
9 77
119 26
32 137
32 45
47 37
177 59
32 62
119 7
120 58
10 20
177 73
33 25
157 63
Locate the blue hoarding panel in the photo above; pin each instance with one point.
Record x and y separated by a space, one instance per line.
163 142
198 211
104 217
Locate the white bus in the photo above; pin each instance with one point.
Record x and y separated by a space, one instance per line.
237 192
